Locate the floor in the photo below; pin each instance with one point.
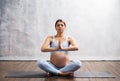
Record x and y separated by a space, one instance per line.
94 66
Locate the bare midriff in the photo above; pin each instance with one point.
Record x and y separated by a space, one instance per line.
59 59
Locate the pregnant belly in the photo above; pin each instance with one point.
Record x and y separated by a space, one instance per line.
59 59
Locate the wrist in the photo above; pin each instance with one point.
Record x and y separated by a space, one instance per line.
64 49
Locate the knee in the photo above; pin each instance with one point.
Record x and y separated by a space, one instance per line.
40 63
77 64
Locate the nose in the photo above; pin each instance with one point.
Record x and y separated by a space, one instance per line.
60 26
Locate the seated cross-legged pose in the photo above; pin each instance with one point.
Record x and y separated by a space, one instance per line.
59 45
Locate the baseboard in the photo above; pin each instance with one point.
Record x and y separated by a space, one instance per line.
46 58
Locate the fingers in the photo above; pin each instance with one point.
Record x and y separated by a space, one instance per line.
60 44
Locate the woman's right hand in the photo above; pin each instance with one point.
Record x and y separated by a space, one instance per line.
60 44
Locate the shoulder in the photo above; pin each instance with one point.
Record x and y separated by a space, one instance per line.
70 38
49 37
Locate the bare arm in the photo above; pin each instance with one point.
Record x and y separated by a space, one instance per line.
45 47
72 47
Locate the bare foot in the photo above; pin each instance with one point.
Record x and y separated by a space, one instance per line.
66 73
49 74
72 74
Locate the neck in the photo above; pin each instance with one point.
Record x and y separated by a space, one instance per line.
60 35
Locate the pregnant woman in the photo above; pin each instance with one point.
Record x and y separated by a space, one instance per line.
59 45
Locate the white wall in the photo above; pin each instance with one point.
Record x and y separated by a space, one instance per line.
95 24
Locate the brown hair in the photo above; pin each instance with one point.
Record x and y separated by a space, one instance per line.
60 20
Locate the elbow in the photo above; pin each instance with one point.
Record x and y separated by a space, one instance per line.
76 48
42 50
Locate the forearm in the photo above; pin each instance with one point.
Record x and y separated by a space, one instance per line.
72 48
48 49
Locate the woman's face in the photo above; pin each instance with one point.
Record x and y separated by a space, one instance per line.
60 27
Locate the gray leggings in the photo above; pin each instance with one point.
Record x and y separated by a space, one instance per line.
49 67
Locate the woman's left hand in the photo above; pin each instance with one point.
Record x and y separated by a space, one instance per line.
60 44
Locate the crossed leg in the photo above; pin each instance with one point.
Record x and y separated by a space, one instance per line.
66 70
